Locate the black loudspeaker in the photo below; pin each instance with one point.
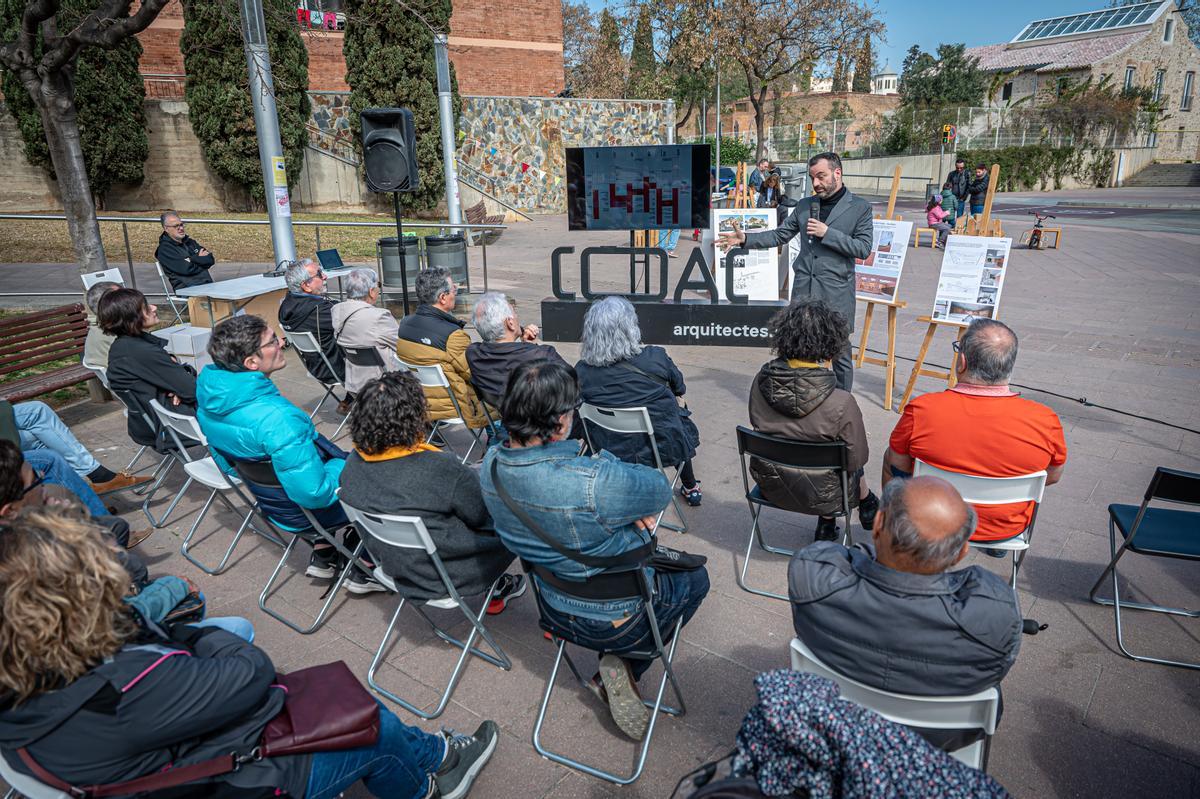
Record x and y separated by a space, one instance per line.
389 149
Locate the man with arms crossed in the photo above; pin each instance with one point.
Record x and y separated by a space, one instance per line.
836 226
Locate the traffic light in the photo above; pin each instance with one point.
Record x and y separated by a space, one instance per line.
948 134
811 133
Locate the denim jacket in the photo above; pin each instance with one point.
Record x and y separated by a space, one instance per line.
589 503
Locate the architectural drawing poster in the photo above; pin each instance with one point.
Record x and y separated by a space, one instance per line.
756 274
877 277
972 277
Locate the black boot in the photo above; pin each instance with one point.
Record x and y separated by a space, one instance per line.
867 508
827 529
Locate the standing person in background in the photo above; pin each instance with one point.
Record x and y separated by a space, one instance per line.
181 257
836 228
759 174
979 189
935 217
959 181
949 204
669 240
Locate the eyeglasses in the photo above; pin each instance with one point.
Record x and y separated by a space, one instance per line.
320 273
956 346
274 342
38 479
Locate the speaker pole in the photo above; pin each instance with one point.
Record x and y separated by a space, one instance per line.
400 251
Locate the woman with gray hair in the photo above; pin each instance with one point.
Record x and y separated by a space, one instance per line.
617 371
358 322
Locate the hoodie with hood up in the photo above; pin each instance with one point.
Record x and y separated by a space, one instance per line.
803 403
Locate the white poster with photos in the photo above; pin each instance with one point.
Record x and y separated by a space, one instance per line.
877 277
756 274
972 278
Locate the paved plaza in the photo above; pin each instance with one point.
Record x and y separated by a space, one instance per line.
1113 318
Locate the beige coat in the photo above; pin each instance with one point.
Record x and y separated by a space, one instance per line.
358 324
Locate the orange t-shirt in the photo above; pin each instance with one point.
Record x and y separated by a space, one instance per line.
991 436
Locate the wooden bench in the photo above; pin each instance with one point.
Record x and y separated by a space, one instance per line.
38 338
477 215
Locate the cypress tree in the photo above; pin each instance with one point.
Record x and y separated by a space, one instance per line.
839 74
218 89
864 68
390 63
642 67
109 99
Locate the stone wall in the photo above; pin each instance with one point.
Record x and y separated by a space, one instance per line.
25 187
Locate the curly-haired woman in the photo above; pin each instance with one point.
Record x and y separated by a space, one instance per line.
796 396
95 699
392 470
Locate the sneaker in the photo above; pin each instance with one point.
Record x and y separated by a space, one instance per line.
466 755
624 701
509 588
692 494
359 582
827 529
323 563
138 536
867 510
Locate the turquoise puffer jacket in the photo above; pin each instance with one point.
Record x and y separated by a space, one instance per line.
243 414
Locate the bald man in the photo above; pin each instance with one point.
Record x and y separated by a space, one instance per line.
892 615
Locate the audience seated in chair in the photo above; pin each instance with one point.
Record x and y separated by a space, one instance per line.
433 335
617 371
981 427
138 362
359 322
796 396
181 257
39 428
506 343
245 417
602 507
97 343
23 486
184 694
393 471
892 616
306 309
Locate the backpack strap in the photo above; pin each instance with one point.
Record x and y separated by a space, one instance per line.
168 778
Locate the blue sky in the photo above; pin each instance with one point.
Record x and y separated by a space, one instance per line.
929 24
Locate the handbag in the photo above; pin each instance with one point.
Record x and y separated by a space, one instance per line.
326 710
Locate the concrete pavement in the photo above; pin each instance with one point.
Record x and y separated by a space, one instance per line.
1113 317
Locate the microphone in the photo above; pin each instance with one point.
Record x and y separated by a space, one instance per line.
814 212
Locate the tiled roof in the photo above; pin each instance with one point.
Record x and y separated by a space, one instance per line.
1054 56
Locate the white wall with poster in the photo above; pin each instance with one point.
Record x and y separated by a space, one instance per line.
756 274
971 279
877 277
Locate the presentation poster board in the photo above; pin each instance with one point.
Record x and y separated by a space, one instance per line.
756 274
638 188
877 277
972 277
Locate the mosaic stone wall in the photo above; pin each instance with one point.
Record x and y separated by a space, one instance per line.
513 147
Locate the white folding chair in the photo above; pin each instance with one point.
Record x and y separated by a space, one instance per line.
409 533
102 375
979 490
972 712
432 376
28 787
307 344
634 421
164 466
207 473
172 298
110 275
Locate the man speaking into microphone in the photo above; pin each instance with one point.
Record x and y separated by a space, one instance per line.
836 228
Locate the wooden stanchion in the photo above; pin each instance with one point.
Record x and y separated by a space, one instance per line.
888 363
919 364
741 187
891 206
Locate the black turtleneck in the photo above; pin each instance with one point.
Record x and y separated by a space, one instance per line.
828 203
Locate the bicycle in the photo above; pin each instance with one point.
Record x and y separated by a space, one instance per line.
1035 235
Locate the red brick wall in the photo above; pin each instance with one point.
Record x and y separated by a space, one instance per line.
482 67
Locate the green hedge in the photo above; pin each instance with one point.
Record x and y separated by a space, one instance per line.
1041 167
733 151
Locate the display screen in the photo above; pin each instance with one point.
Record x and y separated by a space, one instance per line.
662 186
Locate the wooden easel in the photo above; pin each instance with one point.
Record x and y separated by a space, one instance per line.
984 225
741 196
893 305
888 363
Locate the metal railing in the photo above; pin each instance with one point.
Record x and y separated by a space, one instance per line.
465 227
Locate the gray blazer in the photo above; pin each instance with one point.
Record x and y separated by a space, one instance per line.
825 271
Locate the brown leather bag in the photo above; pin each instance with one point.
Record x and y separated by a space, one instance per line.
306 723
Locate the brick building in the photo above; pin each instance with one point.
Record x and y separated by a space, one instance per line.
498 47
1139 45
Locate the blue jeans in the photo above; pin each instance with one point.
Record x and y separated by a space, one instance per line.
399 765
56 471
678 595
976 210
962 209
240 627
668 239
40 428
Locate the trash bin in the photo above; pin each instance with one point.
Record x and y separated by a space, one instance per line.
390 258
449 252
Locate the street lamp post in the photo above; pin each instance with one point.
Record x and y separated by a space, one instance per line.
446 118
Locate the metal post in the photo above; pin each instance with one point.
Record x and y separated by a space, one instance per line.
446 118
129 255
717 73
266 123
318 229
670 121
400 250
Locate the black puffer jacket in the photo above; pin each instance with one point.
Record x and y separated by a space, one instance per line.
804 403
